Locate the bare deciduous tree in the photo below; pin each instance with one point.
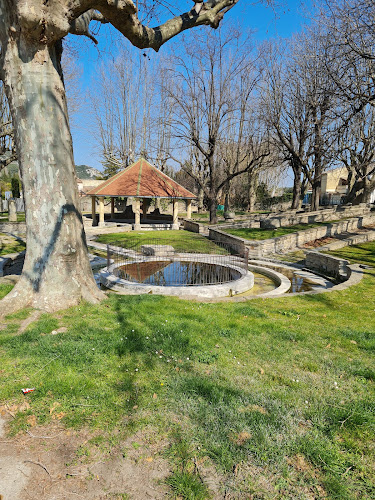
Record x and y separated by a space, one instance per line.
214 82
123 98
298 101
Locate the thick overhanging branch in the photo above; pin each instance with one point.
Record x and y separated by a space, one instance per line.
80 26
122 14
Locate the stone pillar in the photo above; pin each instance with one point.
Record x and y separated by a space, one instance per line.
175 215
188 209
101 211
93 210
137 212
112 208
146 204
12 210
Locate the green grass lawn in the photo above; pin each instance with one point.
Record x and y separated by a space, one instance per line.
180 240
9 245
4 217
362 254
275 395
265 234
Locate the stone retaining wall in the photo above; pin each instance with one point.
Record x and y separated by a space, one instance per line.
289 218
194 227
13 228
284 220
356 239
327 265
291 241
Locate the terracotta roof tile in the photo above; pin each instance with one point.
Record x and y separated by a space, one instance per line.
143 180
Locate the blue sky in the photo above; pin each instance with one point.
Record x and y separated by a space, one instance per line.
267 23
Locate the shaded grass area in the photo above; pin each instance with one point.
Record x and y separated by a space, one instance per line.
265 234
275 395
180 240
10 245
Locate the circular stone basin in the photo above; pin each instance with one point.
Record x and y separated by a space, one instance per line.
180 277
177 273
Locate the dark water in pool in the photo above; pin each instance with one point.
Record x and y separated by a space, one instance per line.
176 273
299 284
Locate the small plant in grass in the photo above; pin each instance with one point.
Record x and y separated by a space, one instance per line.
187 486
184 480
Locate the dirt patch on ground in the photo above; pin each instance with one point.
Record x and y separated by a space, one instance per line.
318 243
53 463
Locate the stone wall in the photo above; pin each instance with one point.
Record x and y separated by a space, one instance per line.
290 242
18 228
233 241
194 227
284 220
327 265
355 239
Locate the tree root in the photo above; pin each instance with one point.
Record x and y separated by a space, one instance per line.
23 296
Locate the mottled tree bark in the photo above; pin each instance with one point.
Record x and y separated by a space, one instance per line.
297 186
57 272
252 191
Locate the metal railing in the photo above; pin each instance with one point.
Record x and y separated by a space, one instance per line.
175 262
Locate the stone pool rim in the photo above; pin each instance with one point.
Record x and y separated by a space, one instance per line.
229 289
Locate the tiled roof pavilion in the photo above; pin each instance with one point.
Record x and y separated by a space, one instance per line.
141 180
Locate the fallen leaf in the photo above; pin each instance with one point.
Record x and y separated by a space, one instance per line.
31 420
353 342
261 371
149 459
328 346
55 405
135 407
58 416
155 396
241 438
257 408
25 406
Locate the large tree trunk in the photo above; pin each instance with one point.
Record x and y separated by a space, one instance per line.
57 271
315 196
316 185
200 199
226 197
252 191
297 188
212 209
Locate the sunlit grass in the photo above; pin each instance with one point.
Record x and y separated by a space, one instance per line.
277 395
10 245
265 234
180 240
363 254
